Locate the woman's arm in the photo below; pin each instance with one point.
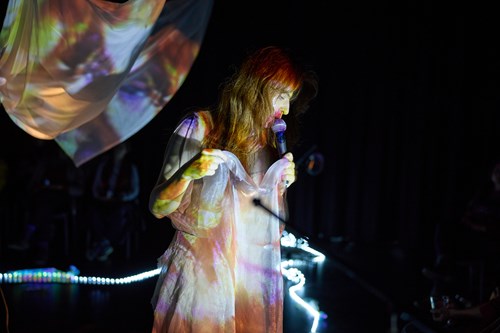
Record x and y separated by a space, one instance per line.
167 195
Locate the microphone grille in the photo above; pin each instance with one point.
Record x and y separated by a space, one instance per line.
279 125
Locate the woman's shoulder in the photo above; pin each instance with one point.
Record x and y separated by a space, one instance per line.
195 124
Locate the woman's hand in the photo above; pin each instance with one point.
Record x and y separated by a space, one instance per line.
205 165
288 176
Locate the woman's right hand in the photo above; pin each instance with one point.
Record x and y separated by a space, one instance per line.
205 165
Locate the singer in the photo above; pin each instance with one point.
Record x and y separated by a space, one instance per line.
222 269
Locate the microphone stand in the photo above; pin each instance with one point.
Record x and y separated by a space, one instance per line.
257 202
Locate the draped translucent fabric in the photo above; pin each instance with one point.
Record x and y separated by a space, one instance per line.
91 73
222 271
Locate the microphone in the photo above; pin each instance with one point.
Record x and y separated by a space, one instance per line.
279 128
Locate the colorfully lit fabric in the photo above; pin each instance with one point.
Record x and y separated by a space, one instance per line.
222 270
91 73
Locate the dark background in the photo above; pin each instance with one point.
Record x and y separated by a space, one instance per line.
401 150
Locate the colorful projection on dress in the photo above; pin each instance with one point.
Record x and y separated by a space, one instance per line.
91 73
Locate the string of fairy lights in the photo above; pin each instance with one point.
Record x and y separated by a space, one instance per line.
289 268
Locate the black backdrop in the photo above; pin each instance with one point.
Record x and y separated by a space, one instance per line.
401 151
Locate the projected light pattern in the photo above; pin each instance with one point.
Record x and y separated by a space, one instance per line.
289 269
92 78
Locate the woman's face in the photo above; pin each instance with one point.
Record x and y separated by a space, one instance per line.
281 106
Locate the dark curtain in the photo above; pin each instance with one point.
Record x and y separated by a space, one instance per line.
401 151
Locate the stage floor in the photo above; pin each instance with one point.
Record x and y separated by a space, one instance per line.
335 298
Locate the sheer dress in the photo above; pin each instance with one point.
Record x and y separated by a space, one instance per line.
222 269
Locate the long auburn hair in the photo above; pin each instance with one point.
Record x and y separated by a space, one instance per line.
245 102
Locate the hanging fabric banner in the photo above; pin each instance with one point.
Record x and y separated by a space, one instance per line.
91 73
